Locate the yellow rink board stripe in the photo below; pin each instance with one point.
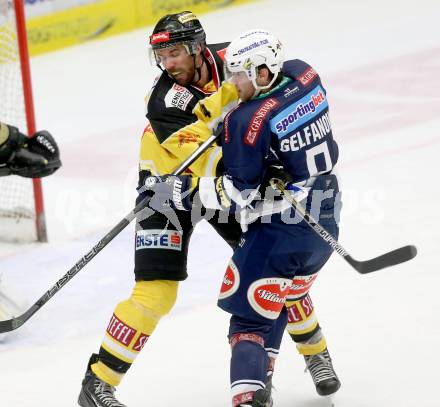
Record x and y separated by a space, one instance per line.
104 18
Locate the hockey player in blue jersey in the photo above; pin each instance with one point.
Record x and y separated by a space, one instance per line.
282 122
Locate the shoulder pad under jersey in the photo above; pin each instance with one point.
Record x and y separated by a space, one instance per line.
300 71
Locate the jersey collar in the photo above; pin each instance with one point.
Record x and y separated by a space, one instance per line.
209 57
283 83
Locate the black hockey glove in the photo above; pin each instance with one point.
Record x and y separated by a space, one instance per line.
276 173
10 141
169 192
37 158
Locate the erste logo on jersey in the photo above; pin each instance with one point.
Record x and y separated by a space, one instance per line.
159 239
178 96
231 281
268 295
257 121
300 286
300 112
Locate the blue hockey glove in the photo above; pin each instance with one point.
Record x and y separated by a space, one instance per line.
170 192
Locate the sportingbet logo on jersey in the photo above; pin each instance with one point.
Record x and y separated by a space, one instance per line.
158 239
268 295
178 96
300 112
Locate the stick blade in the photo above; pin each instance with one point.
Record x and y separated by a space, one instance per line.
6 326
400 255
18 320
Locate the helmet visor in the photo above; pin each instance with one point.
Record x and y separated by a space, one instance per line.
235 74
159 56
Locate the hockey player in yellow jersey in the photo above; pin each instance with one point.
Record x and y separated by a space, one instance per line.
191 71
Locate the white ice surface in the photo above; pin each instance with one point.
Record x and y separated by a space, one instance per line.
380 62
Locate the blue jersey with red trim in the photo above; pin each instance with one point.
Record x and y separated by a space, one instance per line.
289 126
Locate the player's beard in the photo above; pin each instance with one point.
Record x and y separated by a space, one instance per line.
184 77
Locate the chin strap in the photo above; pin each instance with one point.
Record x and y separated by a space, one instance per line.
258 88
199 69
256 93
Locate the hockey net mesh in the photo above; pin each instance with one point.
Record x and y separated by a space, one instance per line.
17 211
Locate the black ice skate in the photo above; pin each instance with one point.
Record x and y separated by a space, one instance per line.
262 398
323 374
95 392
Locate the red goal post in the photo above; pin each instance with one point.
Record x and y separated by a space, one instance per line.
21 200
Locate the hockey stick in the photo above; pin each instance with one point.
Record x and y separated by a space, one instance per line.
16 322
388 259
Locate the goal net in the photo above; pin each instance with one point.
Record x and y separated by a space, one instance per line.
21 215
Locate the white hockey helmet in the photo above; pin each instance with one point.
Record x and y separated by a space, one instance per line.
251 50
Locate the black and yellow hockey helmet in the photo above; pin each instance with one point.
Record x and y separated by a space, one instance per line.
181 28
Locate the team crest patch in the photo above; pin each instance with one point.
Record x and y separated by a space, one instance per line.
231 281
185 138
178 96
268 295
